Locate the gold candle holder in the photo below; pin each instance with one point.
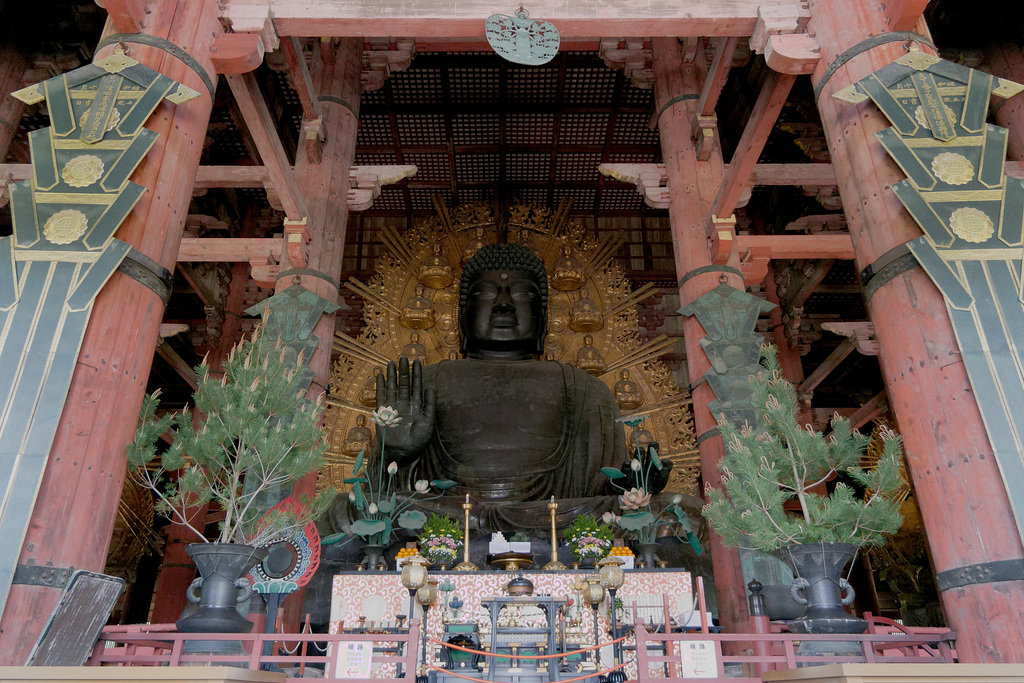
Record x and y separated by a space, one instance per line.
554 564
466 565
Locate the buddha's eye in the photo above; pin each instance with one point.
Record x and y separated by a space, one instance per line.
524 291
484 290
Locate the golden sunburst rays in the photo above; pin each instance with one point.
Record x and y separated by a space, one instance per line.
411 308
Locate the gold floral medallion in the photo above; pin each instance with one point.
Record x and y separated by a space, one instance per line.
953 169
971 225
65 227
82 171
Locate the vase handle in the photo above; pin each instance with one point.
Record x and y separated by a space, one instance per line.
245 586
799 584
845 586
192 592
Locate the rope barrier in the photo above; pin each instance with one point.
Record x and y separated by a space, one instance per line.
551 656
452 672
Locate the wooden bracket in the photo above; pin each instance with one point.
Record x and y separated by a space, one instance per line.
382 59
630 56
863 333
754 262
313 135
297 236
125 15
792 53
651 180
365 182
775 20
237 53
722 233
704 136
254 18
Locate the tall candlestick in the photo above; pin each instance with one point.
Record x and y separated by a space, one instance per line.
466 565
554 564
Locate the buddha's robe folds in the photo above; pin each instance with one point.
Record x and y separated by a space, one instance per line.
513 434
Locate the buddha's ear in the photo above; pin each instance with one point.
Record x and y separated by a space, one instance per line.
463 338
543 331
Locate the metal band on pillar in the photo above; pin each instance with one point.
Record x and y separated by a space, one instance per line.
166 46
338 100
309 272
674 100
709 434
864 46
709 269
42 575
983 572
141 268
896 261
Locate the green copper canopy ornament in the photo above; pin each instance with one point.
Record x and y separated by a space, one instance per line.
520 40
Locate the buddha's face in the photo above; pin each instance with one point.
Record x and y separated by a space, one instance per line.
503 316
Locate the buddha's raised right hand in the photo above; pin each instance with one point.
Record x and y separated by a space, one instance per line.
404 392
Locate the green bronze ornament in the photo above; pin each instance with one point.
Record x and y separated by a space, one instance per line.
61 255
521 40
972 216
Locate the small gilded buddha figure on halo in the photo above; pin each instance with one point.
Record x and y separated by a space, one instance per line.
418 311
589 358
434 271
475 243
568 274
359 438
627 393
585 316
413 351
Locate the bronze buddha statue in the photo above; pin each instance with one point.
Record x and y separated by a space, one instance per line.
509 428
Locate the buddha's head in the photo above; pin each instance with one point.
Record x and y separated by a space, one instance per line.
503 303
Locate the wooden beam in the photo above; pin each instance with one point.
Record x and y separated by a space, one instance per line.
263 129
298 76
844 349
230 249
717 75
822 245
178 363
125 15
810 284
762 119
573 18
877 405
902 15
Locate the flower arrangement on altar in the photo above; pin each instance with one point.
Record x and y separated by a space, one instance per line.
588 539
440 540
636 502
379 508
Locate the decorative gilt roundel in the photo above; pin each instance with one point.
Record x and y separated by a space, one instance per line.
82 171
65 227
971 225
953 169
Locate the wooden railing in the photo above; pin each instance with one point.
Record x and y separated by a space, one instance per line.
772 651
394 655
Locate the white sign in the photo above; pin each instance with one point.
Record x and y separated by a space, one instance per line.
700 659
353 660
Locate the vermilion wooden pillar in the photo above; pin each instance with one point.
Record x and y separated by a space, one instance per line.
964 505
12 70
324 187
693 186
74 514
1006 60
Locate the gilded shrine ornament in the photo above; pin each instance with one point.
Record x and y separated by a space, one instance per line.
521 40
65 227
971 224
82 171
953 169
